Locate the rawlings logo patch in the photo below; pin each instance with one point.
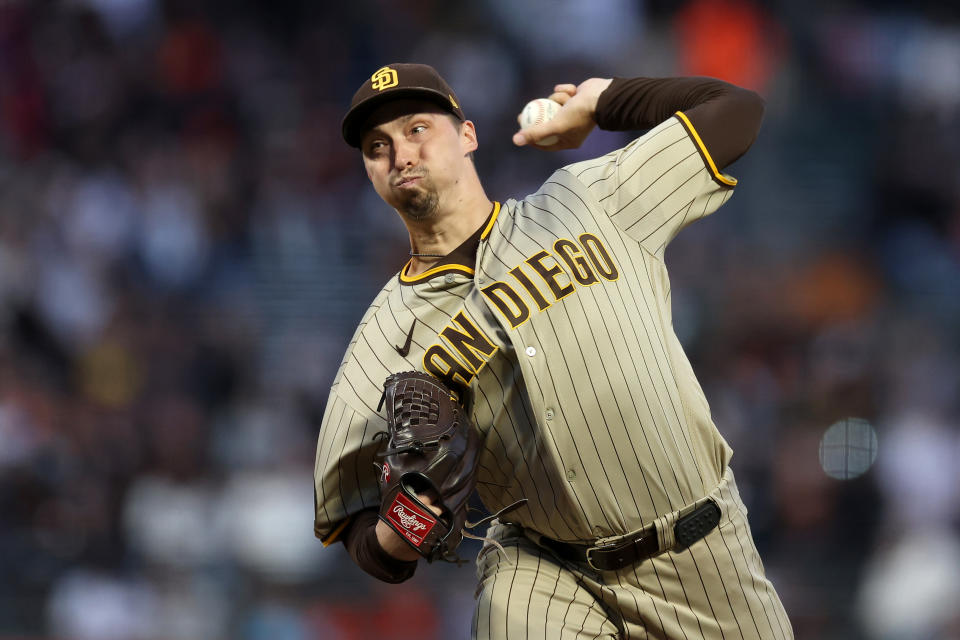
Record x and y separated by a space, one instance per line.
409 519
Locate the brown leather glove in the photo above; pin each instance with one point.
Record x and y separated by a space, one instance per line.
430 449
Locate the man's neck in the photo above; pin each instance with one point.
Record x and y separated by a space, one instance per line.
446 231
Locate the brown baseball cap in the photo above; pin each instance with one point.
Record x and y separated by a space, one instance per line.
392 82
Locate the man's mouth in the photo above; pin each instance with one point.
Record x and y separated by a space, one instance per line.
407 181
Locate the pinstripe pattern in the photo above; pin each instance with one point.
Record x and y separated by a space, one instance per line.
716 589
527 594
586 403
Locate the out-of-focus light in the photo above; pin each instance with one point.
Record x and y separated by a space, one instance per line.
848 448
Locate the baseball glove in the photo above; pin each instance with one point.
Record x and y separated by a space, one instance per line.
431 450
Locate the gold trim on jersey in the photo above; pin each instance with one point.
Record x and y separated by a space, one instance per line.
333 535
493 218
429 273
721 178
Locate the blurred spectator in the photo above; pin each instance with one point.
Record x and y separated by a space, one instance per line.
89 606
917 473
730 39
593 33
267 528
911 587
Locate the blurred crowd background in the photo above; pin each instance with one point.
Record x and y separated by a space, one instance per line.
186 246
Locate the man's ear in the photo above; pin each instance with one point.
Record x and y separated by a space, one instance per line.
468 137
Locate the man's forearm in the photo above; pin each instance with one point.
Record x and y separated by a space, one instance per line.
726 117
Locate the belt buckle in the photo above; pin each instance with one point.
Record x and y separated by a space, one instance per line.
610 546
589 552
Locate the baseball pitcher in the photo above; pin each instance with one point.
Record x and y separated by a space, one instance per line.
526 352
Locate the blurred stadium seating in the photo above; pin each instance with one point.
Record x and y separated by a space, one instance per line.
186 246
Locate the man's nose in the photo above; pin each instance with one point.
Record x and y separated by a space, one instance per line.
405 154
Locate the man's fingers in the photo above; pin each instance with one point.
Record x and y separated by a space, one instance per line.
533 135
550 130
429 500
563 92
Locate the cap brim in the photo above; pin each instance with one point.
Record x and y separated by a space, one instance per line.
352 127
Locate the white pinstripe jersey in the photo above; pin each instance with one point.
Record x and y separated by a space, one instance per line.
561 333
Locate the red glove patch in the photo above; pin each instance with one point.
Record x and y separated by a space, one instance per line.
409 519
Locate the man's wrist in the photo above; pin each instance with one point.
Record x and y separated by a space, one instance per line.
592 88
393 545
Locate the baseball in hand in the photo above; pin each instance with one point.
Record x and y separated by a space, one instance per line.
536 112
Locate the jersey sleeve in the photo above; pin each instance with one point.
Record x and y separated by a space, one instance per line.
345 480
658 184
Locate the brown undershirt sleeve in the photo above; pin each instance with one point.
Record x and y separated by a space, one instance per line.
360 538
726 117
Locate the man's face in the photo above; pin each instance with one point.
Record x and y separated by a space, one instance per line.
414 152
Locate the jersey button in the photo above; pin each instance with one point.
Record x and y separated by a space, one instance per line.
480 281
448 278
531 351
549 414
571 474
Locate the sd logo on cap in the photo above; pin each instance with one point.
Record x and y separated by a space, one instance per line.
393 82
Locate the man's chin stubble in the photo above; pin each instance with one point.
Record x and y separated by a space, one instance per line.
421 206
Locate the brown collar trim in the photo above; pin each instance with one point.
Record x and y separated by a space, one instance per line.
460 260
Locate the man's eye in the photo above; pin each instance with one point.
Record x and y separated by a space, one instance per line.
418 128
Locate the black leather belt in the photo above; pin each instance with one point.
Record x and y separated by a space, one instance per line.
643 545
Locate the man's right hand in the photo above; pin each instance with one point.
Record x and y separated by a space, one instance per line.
575 119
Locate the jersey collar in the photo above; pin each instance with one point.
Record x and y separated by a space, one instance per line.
461 260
